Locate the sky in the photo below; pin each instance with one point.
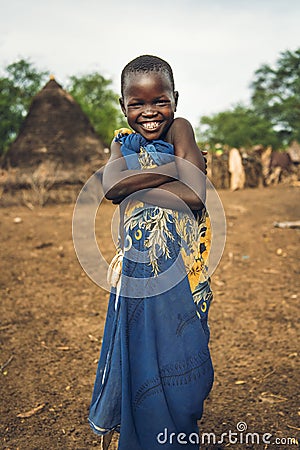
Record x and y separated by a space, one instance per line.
213 46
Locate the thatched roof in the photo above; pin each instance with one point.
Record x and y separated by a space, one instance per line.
55 130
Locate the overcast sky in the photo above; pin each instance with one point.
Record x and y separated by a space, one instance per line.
214 46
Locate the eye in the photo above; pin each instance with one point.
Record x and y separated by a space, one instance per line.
161 102
135 105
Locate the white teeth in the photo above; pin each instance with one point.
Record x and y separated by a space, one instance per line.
150 125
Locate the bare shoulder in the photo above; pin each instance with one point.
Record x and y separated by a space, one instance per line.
180 123
185 146
180 129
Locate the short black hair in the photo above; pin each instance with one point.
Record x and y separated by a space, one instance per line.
146 64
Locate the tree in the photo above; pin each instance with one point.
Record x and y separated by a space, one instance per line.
20 83
99 102
276 95
273 118
239 127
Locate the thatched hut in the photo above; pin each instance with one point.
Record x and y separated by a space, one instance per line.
56 151
56 130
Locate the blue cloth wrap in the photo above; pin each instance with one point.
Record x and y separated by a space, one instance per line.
160 151
155 368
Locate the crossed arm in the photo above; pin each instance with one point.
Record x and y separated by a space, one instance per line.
184 178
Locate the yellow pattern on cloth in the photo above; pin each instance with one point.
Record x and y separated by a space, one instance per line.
196 237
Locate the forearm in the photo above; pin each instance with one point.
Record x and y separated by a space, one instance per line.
182 196
121 184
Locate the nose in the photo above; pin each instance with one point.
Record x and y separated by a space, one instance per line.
149 111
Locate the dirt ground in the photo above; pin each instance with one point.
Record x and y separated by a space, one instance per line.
52 318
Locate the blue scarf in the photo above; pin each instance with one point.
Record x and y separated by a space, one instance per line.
160 151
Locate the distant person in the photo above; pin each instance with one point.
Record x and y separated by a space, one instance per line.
155 369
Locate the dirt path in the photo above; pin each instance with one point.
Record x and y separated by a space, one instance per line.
52 317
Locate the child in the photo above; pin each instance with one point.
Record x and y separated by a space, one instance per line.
155 368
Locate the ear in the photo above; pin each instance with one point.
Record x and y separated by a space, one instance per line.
176 95
121 101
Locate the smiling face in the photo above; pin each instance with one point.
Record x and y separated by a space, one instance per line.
149 103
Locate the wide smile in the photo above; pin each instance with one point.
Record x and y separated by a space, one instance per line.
151 126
